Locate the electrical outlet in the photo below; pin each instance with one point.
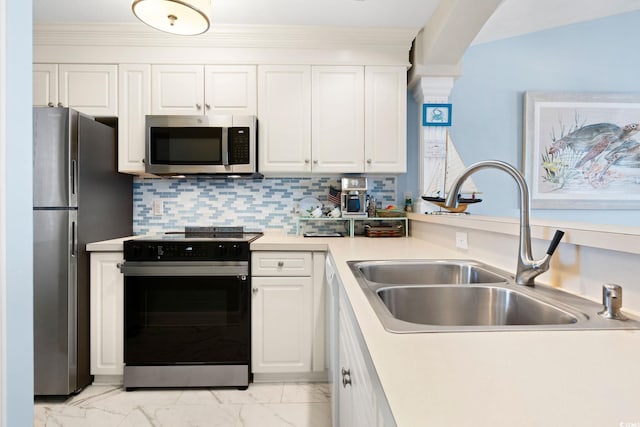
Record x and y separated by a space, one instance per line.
461 240
158 207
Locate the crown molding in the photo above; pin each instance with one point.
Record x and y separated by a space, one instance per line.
124 42
227 36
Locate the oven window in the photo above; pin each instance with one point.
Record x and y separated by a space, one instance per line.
186 320
186 145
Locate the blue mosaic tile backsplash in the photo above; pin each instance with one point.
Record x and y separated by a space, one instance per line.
257 205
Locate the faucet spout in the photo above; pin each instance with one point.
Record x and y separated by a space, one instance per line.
528 268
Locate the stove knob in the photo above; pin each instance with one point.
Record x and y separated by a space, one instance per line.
236 249
137 251
222 250
150 251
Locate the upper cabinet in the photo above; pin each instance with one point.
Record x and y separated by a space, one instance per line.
332 119
88 88
198 89
385 119
337 114
45 85
284 111
134 103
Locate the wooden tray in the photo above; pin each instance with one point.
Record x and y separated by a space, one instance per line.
384 231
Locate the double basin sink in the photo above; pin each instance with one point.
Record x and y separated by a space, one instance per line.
410 296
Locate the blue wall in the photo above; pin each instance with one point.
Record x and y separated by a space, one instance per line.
596 56
18 239
410 182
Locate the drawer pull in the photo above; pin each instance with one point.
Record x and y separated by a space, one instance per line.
280 264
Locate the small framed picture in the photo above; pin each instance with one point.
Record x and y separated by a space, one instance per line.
436 114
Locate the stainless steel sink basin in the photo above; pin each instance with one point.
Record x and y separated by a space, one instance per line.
429 273
469 306
413 296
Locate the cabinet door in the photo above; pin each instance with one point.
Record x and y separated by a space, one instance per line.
91 89
230 89
338 119
356 396
107 314
385 130
45 85
177 89
281 324
134 102
284 109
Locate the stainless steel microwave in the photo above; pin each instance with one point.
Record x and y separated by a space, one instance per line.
211 145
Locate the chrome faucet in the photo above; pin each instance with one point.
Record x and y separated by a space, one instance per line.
528 268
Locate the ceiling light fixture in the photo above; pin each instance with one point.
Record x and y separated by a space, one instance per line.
184 17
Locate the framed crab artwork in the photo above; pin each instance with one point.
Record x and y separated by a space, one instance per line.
582 150
436 114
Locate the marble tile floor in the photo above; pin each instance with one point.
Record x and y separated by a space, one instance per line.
261 405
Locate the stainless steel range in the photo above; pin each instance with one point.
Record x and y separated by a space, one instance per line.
187 309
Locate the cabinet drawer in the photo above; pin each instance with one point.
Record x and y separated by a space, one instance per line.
281 264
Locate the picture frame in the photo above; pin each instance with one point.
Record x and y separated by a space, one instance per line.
582 150
436 114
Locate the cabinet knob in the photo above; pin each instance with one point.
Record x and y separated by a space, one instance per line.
306 161
315 162
50 104
254 290
198 106
60 104
207 106
368 161
280 264
346 377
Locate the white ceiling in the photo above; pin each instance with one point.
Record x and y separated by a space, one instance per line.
513 17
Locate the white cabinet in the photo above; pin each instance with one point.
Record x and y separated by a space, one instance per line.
45 85
385 128
88 88
284 111
337 111
134 103
287 317
357 395
332 119
230 89
198 89
281 324
107 314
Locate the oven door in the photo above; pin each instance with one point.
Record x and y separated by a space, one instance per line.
181 313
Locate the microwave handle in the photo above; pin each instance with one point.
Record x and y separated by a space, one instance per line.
225 146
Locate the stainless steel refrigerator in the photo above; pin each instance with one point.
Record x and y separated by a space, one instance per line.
78 198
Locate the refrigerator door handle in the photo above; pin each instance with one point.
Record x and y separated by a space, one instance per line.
74 176
74 240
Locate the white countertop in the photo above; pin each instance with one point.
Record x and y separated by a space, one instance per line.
113 245
526 378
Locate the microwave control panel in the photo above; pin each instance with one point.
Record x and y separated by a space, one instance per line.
239 145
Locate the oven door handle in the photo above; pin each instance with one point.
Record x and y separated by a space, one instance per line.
185 268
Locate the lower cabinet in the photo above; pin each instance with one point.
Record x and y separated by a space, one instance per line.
281 324
107 314
357 396
288 314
